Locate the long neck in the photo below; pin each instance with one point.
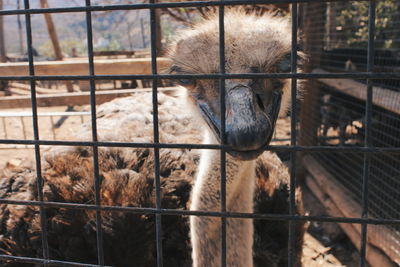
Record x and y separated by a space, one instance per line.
206 231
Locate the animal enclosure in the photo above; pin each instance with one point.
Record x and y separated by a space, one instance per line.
345 133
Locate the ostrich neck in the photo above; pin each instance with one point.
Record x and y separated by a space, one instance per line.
206 231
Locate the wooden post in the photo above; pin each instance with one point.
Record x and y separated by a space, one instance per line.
21 40
310 111
158 31
54 39
130 35
142 32
2 44
52 31
309 118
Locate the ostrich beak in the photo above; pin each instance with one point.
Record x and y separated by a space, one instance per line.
249 124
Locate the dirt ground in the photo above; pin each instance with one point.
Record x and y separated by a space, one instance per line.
21 127
325 244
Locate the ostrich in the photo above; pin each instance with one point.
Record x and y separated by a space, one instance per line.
252 109
257 181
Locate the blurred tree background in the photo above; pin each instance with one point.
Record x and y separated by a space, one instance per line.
347 24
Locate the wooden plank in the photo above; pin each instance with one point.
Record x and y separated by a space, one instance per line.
81 67
44 114
374 256
378 235
17 91
27 88
114 53
64 99
384 98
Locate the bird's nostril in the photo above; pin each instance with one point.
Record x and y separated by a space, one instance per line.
260 102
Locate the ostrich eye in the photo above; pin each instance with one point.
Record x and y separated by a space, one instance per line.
255 70
277 84
284 64
186 82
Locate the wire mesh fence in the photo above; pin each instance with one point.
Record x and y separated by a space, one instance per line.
343 125
339 42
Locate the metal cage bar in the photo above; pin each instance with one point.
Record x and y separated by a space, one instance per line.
216 76
158 5
42 210
293 138
367 138
139 210
154 53
381 150
96 171
221 14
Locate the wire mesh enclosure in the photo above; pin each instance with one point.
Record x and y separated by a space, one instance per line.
338 43
351 127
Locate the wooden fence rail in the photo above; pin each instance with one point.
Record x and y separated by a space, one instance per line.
81 67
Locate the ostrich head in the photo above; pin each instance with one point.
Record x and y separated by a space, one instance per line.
252 45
